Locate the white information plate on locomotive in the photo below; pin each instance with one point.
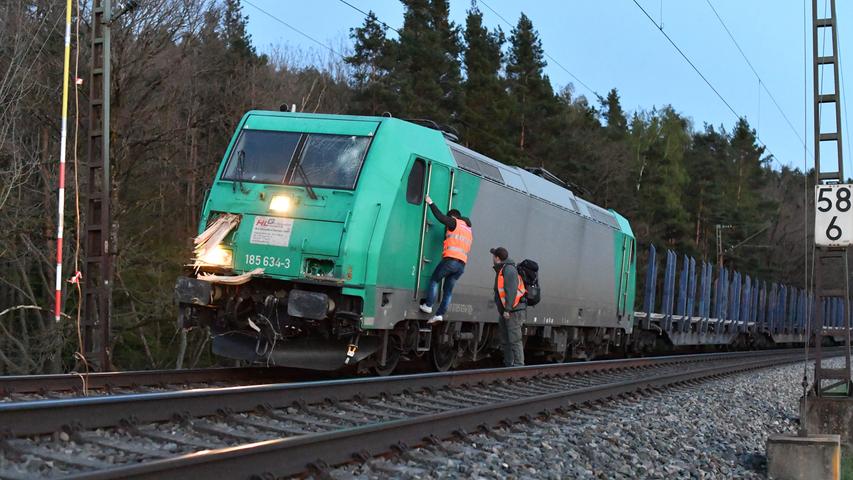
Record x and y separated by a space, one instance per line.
833 218
271 231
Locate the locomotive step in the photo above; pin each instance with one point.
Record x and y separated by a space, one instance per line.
424 339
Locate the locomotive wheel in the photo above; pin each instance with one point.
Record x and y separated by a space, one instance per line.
558 357
443 353
394 354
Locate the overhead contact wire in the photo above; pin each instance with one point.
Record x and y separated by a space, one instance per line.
544 52
291 27
702 75
761 82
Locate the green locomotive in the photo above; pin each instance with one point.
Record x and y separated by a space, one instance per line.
328 246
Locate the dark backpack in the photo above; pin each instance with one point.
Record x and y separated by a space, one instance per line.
529 271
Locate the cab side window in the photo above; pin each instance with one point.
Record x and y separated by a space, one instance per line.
415 188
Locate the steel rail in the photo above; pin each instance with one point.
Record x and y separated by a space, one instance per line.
47 416
295 455
80 382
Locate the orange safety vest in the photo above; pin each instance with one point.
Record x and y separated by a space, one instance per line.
457 243
519 293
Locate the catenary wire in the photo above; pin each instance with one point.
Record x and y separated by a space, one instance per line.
703 77
544 52
761 81
309 37
367 14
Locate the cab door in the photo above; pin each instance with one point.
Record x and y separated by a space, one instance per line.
627 257
439 186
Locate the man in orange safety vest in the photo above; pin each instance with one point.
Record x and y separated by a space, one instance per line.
512 307
457 243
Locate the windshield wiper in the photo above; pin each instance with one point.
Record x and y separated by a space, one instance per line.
308 187
241 165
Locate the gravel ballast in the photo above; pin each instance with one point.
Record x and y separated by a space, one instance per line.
716 429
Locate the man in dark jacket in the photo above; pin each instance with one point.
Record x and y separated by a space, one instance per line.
509 298
457 243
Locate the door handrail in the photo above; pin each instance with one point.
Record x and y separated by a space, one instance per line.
423 234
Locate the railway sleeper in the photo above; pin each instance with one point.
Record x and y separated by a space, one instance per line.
384 402
364 410
211 428
430 407
556 383
260 425
118 444
509 391
445 402
336 417
325 426
484 395
24 447
7 474
174 437
531 387
487 391
479 400
407 412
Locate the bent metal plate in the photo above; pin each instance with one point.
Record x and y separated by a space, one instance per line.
271 231
833 215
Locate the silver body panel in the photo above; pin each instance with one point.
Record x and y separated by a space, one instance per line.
575 255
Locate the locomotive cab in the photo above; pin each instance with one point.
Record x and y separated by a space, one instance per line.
292 184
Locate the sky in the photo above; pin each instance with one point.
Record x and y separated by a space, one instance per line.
613 44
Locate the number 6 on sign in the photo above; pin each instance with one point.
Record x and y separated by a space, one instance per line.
833 218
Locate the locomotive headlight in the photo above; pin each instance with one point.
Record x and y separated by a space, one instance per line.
280 203
217 256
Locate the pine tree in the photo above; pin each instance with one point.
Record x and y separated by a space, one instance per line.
371 61
660 141
427 75
747 209
748 164
707 163
617 124
574 153
237 39
594 157
531 95
450 77
484 100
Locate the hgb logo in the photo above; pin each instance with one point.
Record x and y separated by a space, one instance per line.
833 215
264 221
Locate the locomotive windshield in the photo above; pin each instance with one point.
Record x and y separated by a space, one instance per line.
261 156
330 161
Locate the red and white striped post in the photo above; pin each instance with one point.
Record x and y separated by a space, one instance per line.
62 146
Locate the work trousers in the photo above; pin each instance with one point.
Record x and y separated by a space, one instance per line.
449 270
511 338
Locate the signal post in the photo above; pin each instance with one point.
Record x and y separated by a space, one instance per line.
826 408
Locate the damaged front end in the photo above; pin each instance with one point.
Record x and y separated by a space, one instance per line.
268 321
257 318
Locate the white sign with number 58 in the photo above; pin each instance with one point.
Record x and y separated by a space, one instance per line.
833 216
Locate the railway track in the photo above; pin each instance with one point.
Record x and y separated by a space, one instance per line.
263 431
39 387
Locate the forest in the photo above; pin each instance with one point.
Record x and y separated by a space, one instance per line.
184 71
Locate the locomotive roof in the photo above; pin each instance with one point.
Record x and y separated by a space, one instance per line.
510 176
527 182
